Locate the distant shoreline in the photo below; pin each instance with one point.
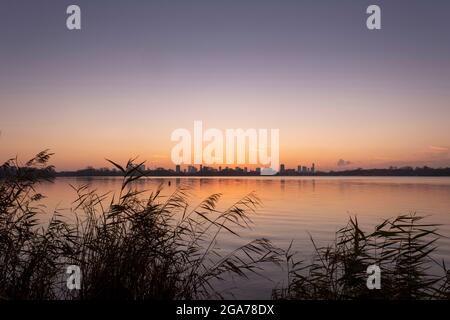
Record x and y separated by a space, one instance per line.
161 172
405 172
258 176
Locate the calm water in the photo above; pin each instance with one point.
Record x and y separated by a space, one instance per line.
295 207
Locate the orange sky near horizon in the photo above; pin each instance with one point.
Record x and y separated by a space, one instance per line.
323 135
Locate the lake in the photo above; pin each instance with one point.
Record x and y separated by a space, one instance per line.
293 208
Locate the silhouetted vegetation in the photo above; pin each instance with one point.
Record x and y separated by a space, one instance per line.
402 248
393 171
132 247
213 172
32 171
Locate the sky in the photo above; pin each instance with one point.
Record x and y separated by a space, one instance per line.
341 95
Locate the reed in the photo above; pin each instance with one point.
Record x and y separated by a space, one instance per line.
130 247
402 247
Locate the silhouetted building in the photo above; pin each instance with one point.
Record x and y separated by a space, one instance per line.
282 168
177 168
192 169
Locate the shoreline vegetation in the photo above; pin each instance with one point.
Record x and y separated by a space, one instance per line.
160 247
161 172
50 172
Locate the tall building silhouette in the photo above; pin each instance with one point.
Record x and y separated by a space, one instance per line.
192 169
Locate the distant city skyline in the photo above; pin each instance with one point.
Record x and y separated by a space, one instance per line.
194 169
341 95
200 171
